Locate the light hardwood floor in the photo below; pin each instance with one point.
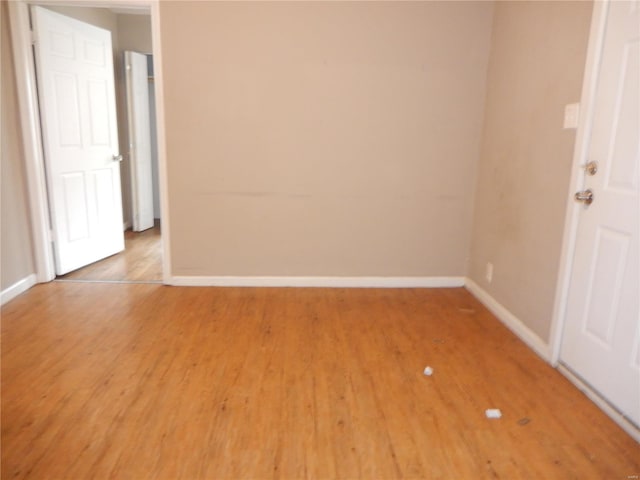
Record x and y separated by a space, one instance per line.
138 381
141 261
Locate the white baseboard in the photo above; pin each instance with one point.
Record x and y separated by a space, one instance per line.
330 282
17 288
512 322
612 413
126 226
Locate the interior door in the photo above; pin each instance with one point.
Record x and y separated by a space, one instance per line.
74 64
601 338
139 140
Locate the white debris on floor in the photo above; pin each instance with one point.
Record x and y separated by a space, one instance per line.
493 413
428 371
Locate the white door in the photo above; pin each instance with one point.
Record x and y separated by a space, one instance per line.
74 66
139 140
601 338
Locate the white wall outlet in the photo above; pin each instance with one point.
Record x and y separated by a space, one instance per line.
571 115
489 272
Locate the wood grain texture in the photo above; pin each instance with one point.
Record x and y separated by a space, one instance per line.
148 381
141 260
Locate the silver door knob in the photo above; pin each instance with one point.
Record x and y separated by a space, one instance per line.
117 158
585 196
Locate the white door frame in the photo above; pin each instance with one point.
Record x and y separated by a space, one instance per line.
32 136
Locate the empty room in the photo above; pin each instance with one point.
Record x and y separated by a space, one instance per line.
398 239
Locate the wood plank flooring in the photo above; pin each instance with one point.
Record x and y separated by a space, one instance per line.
140 381
141 261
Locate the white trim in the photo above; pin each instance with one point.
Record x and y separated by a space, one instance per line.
512 322
156 42
17 288
611 412
330 282
32 138
594 54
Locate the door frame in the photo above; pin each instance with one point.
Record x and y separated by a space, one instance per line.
572 213
32 135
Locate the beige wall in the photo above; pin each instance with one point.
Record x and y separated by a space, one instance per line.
323 138
134 33
16 259
538 52
343 139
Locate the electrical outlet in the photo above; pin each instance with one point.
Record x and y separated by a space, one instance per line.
489 272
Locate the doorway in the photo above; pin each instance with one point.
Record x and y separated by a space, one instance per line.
143 258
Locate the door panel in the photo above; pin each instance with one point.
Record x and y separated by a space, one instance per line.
622 172
603 294
76 91
98 104
95 53
602 323
65 101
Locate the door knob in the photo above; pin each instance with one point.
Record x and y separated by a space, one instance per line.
591 168
117 158
585 196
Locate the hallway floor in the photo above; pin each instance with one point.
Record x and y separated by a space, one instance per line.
141 261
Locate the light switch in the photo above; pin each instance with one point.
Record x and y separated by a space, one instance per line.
571 115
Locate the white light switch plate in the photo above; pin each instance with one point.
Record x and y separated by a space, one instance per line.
571 115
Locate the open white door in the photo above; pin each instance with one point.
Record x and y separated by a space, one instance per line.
74 64
601 338
139 140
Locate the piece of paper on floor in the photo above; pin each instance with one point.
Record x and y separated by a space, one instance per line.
428 371
493 413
